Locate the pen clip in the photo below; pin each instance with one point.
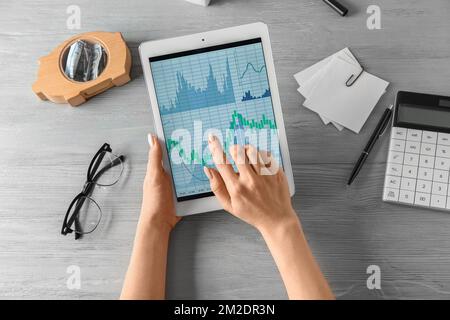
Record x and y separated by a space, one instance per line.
352 79
384 130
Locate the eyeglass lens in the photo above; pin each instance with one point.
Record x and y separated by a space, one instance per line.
109 170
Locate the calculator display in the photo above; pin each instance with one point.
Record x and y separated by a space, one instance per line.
423 116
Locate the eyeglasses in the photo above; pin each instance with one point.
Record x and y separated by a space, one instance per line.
84 214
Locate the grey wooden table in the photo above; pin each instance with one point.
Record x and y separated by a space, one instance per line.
45 150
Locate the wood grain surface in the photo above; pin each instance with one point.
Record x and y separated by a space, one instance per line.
46 148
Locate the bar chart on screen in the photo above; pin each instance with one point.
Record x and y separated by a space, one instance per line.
225 90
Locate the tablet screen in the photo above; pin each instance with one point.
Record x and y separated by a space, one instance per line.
222 90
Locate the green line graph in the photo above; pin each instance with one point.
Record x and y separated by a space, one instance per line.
187 157
238 121
243 123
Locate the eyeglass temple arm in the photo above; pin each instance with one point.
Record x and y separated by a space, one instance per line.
77 227
80 203
93 166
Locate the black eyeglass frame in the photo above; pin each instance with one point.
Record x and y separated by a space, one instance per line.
91 182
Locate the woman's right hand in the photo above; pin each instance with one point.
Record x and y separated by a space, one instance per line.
258 194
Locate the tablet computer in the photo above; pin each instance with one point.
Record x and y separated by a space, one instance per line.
221 82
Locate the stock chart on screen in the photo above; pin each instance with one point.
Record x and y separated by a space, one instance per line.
223 88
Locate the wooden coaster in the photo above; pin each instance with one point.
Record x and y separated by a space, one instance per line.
54 85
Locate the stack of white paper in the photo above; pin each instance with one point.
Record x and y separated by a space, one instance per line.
324 87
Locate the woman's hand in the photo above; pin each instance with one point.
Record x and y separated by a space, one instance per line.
146 275
258 194
158 207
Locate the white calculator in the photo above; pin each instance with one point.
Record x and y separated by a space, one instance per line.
418 163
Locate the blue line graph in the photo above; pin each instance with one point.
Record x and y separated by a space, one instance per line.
249 64
248 95
188 97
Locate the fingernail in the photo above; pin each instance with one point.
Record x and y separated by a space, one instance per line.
150 140
211 137
207 172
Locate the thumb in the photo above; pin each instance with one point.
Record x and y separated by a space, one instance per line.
154 154
218 187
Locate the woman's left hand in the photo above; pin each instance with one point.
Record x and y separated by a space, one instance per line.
158 207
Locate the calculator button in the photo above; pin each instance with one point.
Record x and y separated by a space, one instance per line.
408 184
422 199
412 146
438 201
397 145
398 133
423 186
443 151
426 161
439 188
444 138
414 135
390 194
392 182
409 172
411 159
406 196
440 176
394 169
425 174
429 137
428 149
396 157
442 164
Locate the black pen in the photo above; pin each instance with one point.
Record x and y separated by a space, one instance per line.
339 8
377 133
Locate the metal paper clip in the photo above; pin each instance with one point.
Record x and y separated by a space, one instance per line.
353 78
